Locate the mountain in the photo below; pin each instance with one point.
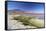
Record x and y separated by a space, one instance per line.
18 11
15 10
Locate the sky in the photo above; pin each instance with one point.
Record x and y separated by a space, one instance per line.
26 6
10 0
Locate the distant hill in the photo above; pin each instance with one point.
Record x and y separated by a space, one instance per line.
18 11
15 10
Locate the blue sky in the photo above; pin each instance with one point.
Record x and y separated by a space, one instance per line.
11 0
26 6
